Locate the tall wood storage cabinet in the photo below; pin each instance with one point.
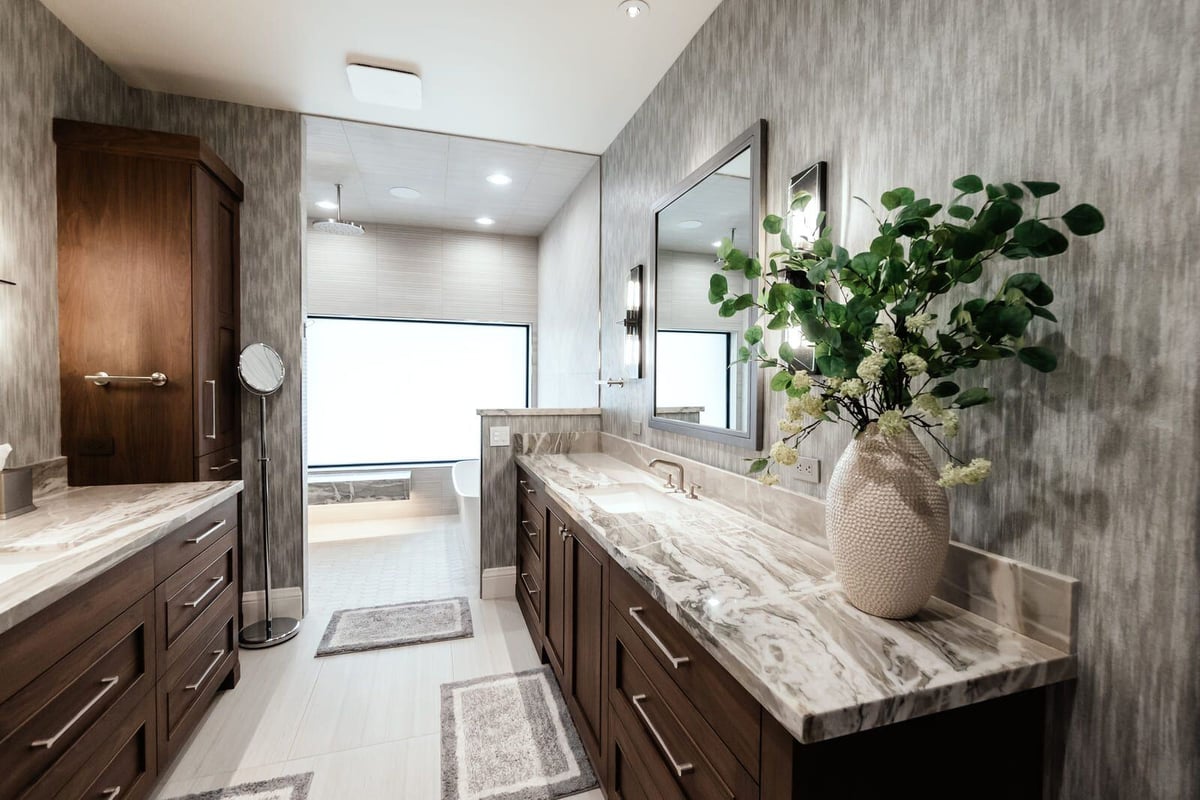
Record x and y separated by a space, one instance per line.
148 282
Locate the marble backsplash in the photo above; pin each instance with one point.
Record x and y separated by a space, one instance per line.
49 477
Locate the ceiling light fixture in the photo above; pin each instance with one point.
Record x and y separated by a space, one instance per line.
404 193
499 179
327 205
484 221
691 224
716 244
634 8
384 87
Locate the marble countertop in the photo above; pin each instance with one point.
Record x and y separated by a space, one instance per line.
78 533
766 604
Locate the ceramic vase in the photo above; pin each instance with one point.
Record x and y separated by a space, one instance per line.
888 523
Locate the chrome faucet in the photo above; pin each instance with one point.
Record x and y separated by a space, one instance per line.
670 483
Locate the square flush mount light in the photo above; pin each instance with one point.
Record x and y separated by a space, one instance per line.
384 87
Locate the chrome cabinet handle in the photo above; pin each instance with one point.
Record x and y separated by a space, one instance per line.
216 526
216 583
217 656
233 462
564 534
635 612
525 527
525 575
102 378
525 486
111 792
109 683
680 769
212 385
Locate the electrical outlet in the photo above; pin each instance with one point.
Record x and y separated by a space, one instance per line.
809 469
499 436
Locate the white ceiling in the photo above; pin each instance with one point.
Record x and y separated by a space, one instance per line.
559 73
450 172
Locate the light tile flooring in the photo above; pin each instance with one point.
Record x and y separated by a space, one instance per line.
366 724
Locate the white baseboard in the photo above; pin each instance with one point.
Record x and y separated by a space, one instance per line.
498 582
286 601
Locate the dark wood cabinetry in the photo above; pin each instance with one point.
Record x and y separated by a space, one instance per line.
149 277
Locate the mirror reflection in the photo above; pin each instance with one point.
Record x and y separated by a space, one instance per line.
261 369
695 348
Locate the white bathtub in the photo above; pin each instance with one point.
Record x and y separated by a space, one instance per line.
465 476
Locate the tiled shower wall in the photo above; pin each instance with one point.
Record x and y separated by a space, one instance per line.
1095 467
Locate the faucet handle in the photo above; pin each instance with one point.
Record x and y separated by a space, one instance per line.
692 492
670 484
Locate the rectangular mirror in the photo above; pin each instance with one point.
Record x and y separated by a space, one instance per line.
699 390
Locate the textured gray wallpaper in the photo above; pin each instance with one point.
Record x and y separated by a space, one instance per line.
1095 465
47 73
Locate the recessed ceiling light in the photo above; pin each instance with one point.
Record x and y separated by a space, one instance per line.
499 179
634 8
485 221
690 224
328 205
716 244
384 87
404 193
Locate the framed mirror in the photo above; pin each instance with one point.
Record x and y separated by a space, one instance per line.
698 388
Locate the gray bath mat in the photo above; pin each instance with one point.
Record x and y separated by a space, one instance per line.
509 737
356 629
289 787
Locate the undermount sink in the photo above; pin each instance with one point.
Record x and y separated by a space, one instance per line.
634 498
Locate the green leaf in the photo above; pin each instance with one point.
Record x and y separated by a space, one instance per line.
727 309
1044 313
973 397
1084 220
882 246
905 194
753 334
994 192
945 389
787 353
752 268
781 381
743 301
968 245
801 200
1000 216
832 366
1014 191
780 321
1032 233
758 465
823 248
1055 243
773 223
969 184
743 354
785 240
1040 358
889 200
725 248
718 287
961 212
1041 188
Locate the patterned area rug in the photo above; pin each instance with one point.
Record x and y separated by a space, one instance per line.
289 787
509 736
357 629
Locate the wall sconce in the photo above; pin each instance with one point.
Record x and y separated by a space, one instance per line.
806 222
633 323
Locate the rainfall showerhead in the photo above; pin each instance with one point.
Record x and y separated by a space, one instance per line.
337 225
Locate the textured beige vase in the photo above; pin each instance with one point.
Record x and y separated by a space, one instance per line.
888 523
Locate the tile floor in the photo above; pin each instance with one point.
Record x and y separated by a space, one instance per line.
367 724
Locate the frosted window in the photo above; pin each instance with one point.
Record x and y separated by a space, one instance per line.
406 392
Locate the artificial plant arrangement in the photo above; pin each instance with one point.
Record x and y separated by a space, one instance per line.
887 352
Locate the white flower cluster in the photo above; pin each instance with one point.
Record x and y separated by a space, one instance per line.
892 423
784 455
928 406
870 369
917 323
913 364
802 381
791 426
886 340
967 475
768 479
854 388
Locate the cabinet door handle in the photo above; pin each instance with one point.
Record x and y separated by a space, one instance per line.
680 769
636 613
233 462
525 527
212 385
215 584
525 575
217 656
109 683
525 486
216 526
111 792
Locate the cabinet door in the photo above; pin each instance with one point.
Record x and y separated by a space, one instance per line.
585 656
556 595
215 313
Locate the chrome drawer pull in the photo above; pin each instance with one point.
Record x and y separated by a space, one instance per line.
525 486
216 526
525 526
111 792
215 584
233 462
109 683
217 656
680 769
213 385
102 378
525 575
636 613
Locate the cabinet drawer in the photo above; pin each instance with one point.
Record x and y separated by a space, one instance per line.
531 489
52 727
185 691
128 773
716 694
223 465
196 587
635 771
531 522
529 579
181 546
658 714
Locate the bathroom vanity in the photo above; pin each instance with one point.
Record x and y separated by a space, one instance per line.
118 625
705 653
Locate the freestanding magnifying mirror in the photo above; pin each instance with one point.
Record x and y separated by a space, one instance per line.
261 370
